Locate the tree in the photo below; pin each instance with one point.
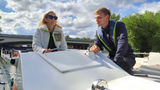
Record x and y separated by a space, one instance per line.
115 17
0 27
144 31
86 38
67 36
156 37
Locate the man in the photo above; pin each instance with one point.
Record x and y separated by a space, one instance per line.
112 36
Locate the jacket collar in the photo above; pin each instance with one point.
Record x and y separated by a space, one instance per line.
45 28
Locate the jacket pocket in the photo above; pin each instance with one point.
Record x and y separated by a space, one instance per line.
58 36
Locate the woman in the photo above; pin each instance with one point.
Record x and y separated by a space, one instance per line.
49 34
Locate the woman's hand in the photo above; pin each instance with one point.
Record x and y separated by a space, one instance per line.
47 50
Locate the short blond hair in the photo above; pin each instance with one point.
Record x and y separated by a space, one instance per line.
105 11
42 22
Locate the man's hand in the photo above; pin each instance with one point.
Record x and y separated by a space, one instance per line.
95 48
47 50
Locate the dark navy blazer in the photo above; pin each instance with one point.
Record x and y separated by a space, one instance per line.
122 49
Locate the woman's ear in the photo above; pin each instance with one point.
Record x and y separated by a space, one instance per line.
45 20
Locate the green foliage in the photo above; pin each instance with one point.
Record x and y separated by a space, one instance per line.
115 17
0 27
144 31
67 36
83 38
86 38
77 38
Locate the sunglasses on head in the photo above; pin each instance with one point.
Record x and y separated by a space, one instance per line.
51 17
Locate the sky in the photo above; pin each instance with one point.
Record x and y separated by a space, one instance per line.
76 17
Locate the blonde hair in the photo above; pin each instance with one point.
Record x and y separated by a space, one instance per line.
105 11
42 22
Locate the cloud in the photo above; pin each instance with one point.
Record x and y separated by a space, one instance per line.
75 16
154 7
11 22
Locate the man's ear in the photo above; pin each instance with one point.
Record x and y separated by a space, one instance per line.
107 17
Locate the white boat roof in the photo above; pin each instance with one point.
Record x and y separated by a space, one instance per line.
64 70
69 61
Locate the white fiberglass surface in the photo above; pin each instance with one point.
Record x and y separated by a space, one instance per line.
69 60
133 83
37 74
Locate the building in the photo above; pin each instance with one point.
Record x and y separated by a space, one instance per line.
26 40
